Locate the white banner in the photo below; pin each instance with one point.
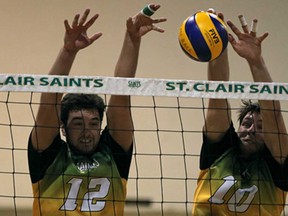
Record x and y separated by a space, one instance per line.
143 87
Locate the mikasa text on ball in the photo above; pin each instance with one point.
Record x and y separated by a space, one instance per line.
203 36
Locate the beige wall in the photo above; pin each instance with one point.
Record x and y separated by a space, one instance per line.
31 36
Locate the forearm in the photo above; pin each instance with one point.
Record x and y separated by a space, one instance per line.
218 70
119 105
47 120
118 111
260 73
218 109
61 66
63 63
274 129
127 63
259 70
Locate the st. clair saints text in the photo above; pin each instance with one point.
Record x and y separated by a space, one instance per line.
227 88
55 81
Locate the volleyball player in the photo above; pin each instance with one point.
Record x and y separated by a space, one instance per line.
87 173
243 172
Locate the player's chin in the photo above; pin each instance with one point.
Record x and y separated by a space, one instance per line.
247 142
88 149
248 146
249 149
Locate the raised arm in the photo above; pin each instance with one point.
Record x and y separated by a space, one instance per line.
47 120
248 46
118 111
218 116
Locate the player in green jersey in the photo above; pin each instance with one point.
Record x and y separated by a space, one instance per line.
87 173
243 172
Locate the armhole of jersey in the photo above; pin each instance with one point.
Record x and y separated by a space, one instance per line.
210 151
121 157
40 162
278 172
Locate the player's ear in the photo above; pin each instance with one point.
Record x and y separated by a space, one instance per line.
62 126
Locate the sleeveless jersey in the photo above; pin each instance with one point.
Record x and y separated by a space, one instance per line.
224 188
80 186
221 190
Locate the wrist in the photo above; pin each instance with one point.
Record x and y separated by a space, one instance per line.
132 38
223 55
256 62
66 55
220 59
68 52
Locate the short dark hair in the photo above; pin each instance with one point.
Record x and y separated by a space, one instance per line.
248 107
75 102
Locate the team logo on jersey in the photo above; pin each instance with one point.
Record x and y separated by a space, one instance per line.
85 166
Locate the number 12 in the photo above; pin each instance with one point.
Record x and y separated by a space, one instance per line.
87 204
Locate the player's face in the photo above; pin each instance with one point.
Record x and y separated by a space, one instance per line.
83 130
250 134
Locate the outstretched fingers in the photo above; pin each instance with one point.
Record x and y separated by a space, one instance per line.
254 27
243 23
84 17
252 31
142 22
159 20
67 26
95 37
263 37
156 21
149 10
154 7
91 21
234 28
76 37
75 21
231 39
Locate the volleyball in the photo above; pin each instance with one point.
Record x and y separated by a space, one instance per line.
203 36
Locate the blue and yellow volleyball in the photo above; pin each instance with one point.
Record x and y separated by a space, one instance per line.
203 36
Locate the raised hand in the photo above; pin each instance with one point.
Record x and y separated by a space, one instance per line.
76 37
247 44
140 24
